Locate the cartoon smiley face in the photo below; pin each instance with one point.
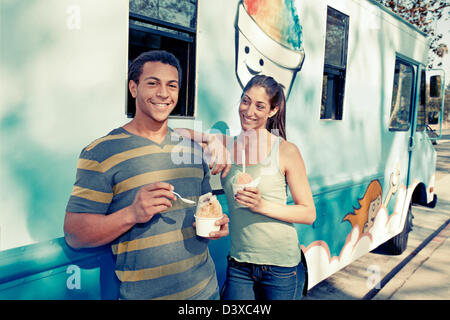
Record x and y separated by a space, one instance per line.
252 68
251 62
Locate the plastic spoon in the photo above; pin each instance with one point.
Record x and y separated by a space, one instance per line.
183 199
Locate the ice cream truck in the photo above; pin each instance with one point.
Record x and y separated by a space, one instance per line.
359 99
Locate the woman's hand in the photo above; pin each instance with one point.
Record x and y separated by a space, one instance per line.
251 198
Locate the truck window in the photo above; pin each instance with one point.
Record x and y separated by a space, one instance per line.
402 94
171 26
335 65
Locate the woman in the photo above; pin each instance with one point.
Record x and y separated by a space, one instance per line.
265 259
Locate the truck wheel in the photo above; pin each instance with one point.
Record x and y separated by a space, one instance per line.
432 204
398 244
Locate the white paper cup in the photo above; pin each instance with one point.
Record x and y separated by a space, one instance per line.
203 226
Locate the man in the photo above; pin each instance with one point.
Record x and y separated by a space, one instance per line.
122 195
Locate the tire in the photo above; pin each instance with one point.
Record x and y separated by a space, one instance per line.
432 204
398 244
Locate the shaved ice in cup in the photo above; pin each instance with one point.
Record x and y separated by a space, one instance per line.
208 212
242 180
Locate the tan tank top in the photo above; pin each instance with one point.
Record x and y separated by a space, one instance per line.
256 238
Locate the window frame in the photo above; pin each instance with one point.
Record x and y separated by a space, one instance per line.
333 91
408 64
422 103
186 106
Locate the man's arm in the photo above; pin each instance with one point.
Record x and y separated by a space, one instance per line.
215 145
87 230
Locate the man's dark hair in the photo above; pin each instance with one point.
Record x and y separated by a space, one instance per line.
135 68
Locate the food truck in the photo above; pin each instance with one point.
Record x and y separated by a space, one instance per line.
358 103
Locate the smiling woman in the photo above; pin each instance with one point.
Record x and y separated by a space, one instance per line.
254 110
258 213
270 104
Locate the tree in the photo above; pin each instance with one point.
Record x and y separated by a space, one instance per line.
423 14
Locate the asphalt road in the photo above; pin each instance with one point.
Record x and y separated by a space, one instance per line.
421 272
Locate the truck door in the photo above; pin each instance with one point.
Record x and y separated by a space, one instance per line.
425 128
401 128
412 158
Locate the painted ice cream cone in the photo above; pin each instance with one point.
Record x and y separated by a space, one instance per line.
269 41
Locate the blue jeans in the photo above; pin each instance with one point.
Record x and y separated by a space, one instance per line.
247 281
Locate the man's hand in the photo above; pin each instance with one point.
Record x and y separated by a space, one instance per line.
223 232
219 156
150 200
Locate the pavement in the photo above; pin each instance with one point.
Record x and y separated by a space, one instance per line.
426 275
430 277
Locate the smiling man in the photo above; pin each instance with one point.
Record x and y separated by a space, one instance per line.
122 195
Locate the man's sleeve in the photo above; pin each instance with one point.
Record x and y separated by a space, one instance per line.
206 186
92 191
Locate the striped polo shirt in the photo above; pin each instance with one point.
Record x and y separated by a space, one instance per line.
163 258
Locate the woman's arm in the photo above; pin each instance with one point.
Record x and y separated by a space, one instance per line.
304 211
215 145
